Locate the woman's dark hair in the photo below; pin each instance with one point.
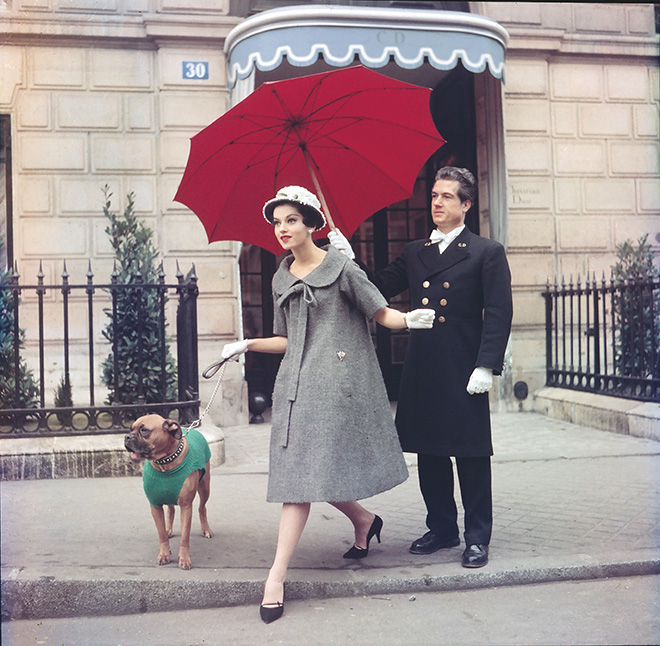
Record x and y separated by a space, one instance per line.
310 217
468 185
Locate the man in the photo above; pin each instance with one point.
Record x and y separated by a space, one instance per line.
443 410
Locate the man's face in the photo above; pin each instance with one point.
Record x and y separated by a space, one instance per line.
447 210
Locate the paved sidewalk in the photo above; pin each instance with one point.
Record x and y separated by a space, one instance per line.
569 503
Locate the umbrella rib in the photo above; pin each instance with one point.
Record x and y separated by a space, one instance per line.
368 163
260 144
308 120
343 100
279 129
332 119
343 123
355 120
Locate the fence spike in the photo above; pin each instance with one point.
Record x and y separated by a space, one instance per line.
192 274
179 273
90 274
161 273
40 274
65 273
115 274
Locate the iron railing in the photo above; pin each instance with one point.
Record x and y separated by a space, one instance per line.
93 418
602 337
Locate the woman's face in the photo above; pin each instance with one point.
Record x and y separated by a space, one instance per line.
290 230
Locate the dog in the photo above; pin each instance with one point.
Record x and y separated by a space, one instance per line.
177 468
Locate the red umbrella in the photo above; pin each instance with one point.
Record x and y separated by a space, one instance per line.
355 137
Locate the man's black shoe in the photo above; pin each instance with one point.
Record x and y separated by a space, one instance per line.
475 556
431 542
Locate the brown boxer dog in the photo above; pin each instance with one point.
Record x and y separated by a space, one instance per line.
166 482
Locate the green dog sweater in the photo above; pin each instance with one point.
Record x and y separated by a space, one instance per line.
163 487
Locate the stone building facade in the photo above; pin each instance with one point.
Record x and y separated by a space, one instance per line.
97 92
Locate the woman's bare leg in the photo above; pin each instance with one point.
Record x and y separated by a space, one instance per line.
292 522
361 518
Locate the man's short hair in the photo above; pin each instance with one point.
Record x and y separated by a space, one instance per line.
468 185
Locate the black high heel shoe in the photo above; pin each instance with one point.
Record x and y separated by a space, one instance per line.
359 552
270 612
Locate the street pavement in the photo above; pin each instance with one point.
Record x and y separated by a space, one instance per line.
599 611
570 504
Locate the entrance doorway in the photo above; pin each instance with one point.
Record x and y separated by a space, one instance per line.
378 241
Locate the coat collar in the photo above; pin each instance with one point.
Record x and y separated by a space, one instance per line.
457 251
325 274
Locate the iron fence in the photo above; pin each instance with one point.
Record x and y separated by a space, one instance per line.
109 417
602 336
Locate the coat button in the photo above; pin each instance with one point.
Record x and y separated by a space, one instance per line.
426 284
443 301
446 285
425 301
441 319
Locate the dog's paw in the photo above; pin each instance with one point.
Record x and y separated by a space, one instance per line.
206 532
164 558
185 563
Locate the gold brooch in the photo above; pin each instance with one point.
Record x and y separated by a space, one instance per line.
462 244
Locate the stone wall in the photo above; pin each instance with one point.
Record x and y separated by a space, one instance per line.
98 95
582 152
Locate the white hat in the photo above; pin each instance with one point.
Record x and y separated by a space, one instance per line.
295 195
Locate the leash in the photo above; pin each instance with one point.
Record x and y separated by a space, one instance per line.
220 365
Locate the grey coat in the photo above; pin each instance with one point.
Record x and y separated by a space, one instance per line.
333 438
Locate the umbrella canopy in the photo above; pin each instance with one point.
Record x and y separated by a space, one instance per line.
353 136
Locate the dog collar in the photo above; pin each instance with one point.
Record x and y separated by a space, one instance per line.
170 458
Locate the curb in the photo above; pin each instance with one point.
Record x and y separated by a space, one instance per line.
46 597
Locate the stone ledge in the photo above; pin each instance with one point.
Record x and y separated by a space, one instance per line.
615 414
87 456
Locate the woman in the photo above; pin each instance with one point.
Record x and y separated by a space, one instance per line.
332 438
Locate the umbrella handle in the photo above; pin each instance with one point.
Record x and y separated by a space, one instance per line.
317 186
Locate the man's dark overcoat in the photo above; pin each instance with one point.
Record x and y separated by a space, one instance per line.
469 287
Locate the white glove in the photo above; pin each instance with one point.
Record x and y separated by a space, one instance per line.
234 349
481 381
338 241
421 319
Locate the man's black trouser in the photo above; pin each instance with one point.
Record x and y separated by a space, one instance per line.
436 480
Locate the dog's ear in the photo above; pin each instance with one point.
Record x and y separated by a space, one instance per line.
172 428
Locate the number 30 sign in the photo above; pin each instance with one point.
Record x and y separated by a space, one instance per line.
195 70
